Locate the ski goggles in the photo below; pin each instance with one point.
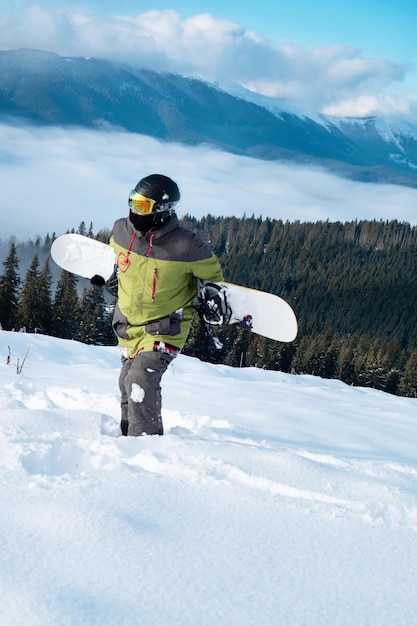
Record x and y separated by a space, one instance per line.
140 204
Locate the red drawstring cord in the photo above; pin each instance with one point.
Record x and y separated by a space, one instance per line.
148 253
123 260
129 250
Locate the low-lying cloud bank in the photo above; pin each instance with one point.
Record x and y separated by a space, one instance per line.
52 179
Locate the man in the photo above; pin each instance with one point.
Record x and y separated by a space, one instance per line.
159 264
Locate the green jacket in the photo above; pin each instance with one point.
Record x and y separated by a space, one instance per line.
157 285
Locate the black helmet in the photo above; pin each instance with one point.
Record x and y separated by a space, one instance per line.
163 190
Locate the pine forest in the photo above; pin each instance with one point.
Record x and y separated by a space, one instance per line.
352 285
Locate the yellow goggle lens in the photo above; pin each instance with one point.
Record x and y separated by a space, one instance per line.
140 204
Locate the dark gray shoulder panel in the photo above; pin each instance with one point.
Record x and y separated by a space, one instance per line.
171 242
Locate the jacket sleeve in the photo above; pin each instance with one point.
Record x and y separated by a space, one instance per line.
208 269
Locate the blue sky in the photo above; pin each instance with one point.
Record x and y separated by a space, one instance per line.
339 58
378 27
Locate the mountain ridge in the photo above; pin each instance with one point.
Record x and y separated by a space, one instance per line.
44 88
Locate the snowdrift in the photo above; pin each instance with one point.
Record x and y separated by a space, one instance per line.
271 499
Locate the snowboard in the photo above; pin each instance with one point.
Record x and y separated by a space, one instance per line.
256 311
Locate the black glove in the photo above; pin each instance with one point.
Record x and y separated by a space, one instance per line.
97 280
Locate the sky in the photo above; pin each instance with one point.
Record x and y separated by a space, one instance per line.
271 499
321 56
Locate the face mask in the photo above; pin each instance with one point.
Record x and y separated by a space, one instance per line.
143 223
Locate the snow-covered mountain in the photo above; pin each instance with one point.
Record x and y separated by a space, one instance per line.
44 88
272 499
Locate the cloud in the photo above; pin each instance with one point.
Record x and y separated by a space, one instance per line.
364 105
326 79
322 78
52 179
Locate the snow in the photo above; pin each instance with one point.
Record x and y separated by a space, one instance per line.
272 499
276 106
391 130
137 394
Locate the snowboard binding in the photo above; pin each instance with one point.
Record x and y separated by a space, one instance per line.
212 305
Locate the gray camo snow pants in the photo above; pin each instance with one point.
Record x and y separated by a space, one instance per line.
140 388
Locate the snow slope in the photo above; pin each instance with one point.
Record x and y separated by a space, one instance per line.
272 499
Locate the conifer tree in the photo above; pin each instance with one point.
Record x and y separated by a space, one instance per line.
29 313
346 361
9 290
200 343
376 368
66 307
237 354
82 229
94 322
197 344
258 354
408 384
45 299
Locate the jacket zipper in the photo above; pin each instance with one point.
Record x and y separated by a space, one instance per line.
155 271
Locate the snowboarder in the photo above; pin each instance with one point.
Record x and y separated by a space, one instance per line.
159 264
